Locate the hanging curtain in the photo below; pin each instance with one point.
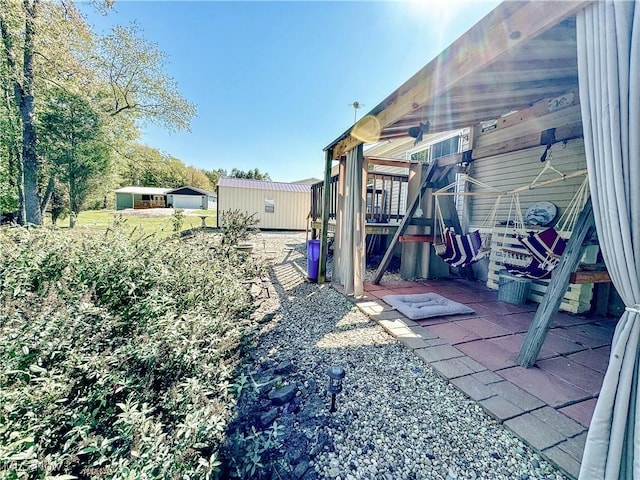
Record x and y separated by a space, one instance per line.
609 75
350 264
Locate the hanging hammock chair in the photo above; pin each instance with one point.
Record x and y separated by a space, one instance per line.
462 250
540 251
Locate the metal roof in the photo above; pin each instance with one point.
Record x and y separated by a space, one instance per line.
520 53
263 185
144 190
187 187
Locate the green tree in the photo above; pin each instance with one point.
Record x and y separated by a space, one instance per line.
133 70
254 174
47 44
197 178
149 167
71 138
214 176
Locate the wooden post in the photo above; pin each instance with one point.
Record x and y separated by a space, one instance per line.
326 197
558 285
406 221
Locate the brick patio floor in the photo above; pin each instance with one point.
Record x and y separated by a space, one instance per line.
549 406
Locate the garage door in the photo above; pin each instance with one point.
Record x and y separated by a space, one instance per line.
187 201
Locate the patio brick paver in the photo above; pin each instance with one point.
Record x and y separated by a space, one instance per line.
501 409
571 372
490 355
457 367
483 327
561 344
550 405
534 431
473 388
514 322
438 353
596 359
581 412
453 333
517 396
423 332
548 388
471 298
559 422
385 315
585 336
488 377
513 344
568 463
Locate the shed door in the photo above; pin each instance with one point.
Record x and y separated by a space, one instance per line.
187 201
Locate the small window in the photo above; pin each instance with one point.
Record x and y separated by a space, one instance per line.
269 206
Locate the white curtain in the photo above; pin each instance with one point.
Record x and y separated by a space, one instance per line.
609 75
350 264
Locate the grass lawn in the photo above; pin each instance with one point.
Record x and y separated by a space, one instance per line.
148 222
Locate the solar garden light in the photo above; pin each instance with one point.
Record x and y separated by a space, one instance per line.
336 374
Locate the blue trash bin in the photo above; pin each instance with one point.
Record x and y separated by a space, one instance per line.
313 259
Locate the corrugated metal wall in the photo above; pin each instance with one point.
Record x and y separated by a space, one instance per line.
290 208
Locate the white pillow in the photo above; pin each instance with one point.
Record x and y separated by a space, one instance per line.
425 305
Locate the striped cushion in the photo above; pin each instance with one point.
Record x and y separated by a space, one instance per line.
546 248
462 250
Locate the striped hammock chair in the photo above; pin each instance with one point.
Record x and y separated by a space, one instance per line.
462 250
540 251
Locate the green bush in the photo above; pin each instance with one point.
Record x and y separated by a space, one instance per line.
117 352
237 226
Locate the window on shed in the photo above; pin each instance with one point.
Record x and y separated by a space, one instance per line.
269 206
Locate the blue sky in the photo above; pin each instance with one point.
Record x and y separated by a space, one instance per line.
273 81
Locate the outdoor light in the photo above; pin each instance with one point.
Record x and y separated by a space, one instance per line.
336 374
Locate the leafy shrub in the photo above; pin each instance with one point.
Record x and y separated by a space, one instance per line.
237 226
117 352
177 219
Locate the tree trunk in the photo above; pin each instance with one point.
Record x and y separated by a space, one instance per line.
27 113
15 158
46 198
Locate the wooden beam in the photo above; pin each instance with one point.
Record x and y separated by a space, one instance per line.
388 162
601 276
566 132
467 56
416 238
557 287
326 198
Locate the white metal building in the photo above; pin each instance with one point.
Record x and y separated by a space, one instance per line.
277 205
191 198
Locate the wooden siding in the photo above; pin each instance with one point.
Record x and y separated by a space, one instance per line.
290 208
512 170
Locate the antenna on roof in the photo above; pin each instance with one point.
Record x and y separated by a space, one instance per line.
356 105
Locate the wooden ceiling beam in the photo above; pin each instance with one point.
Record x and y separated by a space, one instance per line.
387 162
458 104
506 28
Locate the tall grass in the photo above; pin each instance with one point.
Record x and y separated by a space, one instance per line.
117 351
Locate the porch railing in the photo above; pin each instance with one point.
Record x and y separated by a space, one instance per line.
386 198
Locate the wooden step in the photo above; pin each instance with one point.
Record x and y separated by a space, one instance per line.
416 238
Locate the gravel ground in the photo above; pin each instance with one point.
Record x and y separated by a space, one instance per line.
396 418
